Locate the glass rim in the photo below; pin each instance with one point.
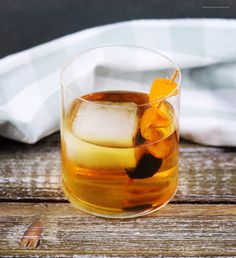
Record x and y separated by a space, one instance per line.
75 56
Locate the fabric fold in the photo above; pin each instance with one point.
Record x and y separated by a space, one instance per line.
204 49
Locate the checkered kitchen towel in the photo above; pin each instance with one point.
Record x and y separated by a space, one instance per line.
204 49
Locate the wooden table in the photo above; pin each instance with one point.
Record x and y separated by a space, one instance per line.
200 221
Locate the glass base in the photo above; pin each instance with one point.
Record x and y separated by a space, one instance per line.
106 213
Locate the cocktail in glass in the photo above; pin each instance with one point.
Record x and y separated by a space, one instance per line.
119 130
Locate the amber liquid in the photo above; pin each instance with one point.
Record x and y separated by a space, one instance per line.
120 192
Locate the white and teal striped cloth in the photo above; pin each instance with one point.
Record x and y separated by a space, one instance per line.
205 50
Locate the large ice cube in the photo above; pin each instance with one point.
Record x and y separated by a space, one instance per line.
106 123
88 155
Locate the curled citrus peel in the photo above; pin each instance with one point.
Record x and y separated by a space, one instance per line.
160 149
163 87
153 124
157 121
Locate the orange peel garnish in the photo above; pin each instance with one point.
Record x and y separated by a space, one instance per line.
160 149
162 88
155 122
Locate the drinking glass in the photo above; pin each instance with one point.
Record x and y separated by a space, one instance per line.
119 147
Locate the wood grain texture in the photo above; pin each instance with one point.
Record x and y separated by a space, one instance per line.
186 228
32 172
176 230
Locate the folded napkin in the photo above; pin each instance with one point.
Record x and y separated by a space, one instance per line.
204 49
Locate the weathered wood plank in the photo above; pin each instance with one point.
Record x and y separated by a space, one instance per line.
32 172
176 230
